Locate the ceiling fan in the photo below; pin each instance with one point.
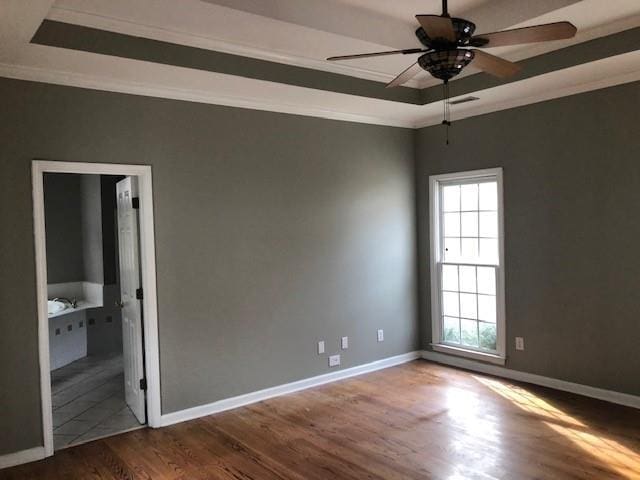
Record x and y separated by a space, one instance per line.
449 46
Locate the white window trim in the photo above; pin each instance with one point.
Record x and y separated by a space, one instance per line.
434 258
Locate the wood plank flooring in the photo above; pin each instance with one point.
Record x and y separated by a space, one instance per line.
415 421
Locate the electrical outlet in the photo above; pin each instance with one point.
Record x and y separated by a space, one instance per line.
381 335
334 360
344 343
519 343
320 347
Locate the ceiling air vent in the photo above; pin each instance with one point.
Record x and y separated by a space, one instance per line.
463 100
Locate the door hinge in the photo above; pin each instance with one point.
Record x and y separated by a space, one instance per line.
135 203
139 294
143 384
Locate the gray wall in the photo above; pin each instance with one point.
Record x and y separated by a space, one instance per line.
91 201
73 217
572 193
272 232
104 332
63 217
109 231
80 231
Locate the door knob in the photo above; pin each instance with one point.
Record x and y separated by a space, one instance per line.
119 303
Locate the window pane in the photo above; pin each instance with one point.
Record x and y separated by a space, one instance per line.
469 250
488 336
450 278
451 224
451 249
467 279
468 305
489 224
468 292
469 225
451 198
451 331
489 196
488 250
450 306
469 197
487 280
487 308
469 333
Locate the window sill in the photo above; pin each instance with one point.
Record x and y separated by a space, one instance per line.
461 352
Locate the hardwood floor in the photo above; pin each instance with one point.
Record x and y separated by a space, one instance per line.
418 420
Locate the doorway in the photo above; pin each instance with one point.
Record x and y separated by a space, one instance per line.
98 341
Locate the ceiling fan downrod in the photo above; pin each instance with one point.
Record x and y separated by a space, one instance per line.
445 10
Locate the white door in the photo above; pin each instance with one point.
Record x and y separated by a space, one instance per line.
126 191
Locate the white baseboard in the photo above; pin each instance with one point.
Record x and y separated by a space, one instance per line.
585 390
23 456
258 396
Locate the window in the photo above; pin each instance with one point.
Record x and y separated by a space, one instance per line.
467 276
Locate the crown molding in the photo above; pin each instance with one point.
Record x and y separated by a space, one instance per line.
100 72
74 79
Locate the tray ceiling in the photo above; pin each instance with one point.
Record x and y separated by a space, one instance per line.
302 33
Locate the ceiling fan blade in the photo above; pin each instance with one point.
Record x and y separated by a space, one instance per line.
537 33
405 76
436 27
496 66
406 51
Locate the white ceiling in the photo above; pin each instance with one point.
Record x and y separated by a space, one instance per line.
304 33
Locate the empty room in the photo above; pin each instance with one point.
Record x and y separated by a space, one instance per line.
319 239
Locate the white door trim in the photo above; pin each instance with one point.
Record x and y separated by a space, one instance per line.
148 265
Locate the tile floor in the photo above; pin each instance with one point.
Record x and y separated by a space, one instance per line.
88 400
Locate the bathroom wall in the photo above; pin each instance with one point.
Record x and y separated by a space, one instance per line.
78 245
104 332
104 325
63 219
109 228
91 201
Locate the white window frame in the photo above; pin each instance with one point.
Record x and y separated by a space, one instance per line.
435 234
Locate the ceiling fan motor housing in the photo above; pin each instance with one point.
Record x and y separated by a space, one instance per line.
446 64
464 31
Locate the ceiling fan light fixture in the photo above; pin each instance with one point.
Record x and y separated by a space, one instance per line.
450 46
446 64
463 29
